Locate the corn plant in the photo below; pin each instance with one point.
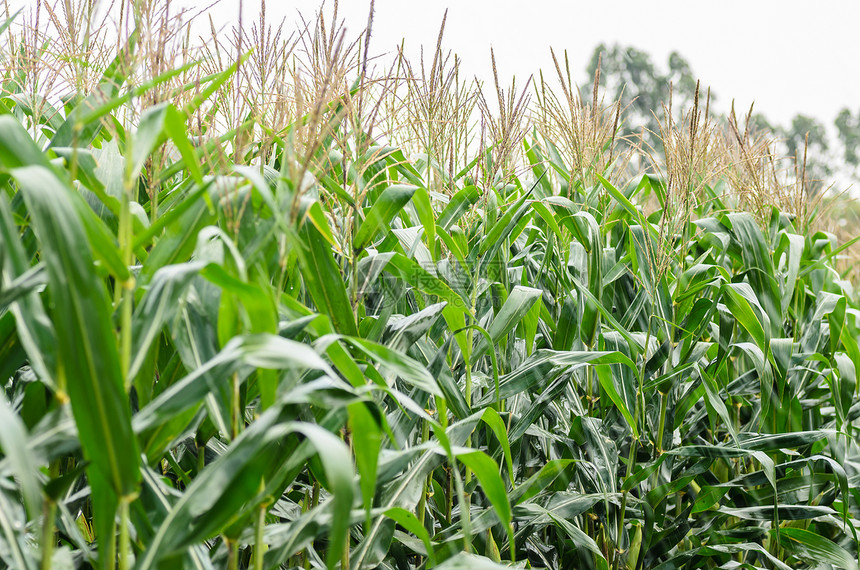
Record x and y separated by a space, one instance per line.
299 320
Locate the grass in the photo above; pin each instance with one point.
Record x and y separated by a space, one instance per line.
268 302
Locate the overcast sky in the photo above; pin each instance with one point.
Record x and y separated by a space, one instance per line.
787 55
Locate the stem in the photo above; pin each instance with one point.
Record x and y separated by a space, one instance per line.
631 458
235 406
344 558
589 378
260 547
124 541
467 361
663 403
232 554
110 542
465 515
153 208
610 551
302 555
156 159
201 457
49 514
178 470
73 163
353 261
422 503
49 511
449 501
125 235
468 390
315 500
283 259
640 395
125 328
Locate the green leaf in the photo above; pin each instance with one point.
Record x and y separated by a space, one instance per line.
807 544
518 304
457 206
87 354
86 343
758 265
17 149
15 446
740 299
16 552
180 226
323 280
605 379
567 327
406 368
497 425
158 305
533 373
259 351
503 227
386 206
786 512
157 124
34 330
580 539
367 442
426 215
399 492
467 561
5 25
488 475
232 483
410 522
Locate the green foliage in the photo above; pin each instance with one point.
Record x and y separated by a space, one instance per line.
848 130
299 347
630 75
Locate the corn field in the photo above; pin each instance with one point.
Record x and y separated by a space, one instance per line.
269 302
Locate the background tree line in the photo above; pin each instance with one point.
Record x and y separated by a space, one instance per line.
833 154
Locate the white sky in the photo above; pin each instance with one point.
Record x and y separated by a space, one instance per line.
786 55
789 56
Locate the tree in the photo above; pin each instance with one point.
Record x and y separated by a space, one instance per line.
807 137
796 135
643 87
630 74
848 131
